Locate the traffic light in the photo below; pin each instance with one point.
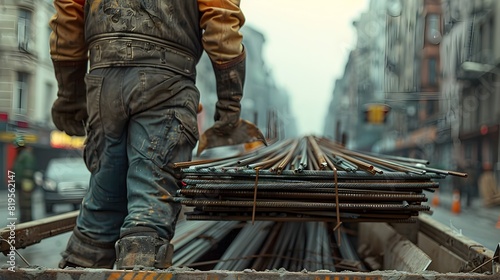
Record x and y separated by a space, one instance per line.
375 113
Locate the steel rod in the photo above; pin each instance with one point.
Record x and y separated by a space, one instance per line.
196 193
299 205
299 219
316 185
309 174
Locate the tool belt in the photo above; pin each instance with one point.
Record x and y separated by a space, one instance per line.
113 51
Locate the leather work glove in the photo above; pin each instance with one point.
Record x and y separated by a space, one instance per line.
230 78
69 111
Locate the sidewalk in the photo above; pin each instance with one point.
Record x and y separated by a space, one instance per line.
476 207
477 222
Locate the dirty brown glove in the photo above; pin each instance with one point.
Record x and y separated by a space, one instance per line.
230 78
69 111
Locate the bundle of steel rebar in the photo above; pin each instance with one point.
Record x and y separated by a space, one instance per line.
307 179
263 245
273 245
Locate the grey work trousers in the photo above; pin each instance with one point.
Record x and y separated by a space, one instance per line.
141 121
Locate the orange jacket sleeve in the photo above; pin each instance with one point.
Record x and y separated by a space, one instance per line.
221 21
67 39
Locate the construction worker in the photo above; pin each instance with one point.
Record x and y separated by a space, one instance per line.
137 105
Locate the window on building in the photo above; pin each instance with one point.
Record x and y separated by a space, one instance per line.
485 42
433 30
23 29
432 64
433 21
432 107
47 103
21 95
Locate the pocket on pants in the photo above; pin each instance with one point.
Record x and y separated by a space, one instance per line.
90 154
94 85
189 128
185 140
178 140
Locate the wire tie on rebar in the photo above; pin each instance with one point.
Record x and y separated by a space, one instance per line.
255 193
483 264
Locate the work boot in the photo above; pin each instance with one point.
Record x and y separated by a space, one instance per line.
143 252
82 251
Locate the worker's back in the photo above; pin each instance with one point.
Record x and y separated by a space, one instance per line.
131 30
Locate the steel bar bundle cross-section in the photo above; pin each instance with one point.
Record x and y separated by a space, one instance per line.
307 179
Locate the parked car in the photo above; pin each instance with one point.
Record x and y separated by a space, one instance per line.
65 181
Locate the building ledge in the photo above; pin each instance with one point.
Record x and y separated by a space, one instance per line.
470 70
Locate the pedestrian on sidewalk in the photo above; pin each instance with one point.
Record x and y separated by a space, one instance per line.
488 186
24 168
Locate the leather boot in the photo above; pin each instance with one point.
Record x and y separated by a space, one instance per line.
143 252
82 251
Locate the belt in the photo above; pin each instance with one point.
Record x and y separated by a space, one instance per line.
111 52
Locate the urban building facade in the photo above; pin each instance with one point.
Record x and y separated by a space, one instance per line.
362 84
471 60
440 81
27 83
396 62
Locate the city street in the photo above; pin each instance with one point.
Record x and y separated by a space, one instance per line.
475 222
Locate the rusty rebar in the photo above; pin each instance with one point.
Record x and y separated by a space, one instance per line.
318 185
308 178
317 196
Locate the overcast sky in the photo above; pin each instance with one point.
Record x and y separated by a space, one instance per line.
306 48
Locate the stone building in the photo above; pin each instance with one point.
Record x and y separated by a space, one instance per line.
362 83
27 83
440 80
470 65
412 78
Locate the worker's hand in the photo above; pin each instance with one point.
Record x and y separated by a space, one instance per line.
69 111
69 116
227 116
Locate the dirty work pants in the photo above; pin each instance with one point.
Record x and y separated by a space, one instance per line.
141 120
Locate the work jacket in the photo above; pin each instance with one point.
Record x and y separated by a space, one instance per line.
184 27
